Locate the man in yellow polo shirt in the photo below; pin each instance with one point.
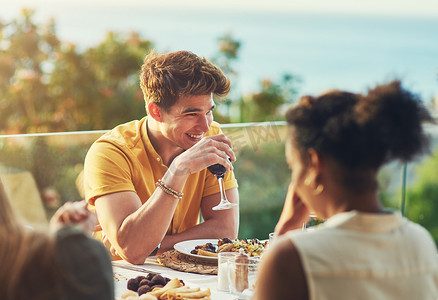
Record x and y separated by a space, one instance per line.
148 180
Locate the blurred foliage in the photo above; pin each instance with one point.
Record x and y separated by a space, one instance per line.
422 195
43 160
225 58
266 104
263 177
270 102
47 85
228 54
390 182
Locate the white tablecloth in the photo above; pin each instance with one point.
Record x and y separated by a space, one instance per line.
190 279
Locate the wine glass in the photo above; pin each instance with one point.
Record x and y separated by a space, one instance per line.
313 220
219 171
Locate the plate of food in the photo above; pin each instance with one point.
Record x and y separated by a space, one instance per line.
207 249
191 248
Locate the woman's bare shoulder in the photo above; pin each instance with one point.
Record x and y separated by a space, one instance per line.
281 273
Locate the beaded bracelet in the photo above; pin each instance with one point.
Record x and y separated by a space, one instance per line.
169 190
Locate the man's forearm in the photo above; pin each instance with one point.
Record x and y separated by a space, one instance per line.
217 224
143 230
124 219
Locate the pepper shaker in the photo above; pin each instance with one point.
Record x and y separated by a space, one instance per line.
241 271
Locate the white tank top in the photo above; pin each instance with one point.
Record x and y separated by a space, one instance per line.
362 256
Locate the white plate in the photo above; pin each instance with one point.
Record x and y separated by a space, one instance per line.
186 246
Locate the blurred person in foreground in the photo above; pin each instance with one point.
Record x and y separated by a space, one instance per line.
63 264
336 145
148 180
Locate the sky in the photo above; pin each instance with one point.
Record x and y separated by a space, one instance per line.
378 7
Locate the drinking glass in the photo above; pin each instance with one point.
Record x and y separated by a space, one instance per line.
313 221
271 237
219 171
223 260
242 277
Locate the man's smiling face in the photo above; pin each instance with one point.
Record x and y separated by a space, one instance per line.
188 120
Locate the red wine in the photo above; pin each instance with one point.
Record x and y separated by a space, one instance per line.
218 170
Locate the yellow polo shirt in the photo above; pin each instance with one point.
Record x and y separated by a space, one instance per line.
125 160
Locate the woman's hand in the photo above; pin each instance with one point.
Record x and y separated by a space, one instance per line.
108 244
73 213
294 213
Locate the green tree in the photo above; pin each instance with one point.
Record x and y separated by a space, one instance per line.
270 102
228 53
28 49
100 86
47 85
225 58
265 105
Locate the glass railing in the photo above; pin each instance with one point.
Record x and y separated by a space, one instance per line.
42 171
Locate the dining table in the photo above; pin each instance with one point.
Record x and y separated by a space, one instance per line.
123 271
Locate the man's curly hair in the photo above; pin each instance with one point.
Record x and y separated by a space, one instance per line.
166 77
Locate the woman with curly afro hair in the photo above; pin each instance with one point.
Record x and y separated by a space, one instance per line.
337 143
